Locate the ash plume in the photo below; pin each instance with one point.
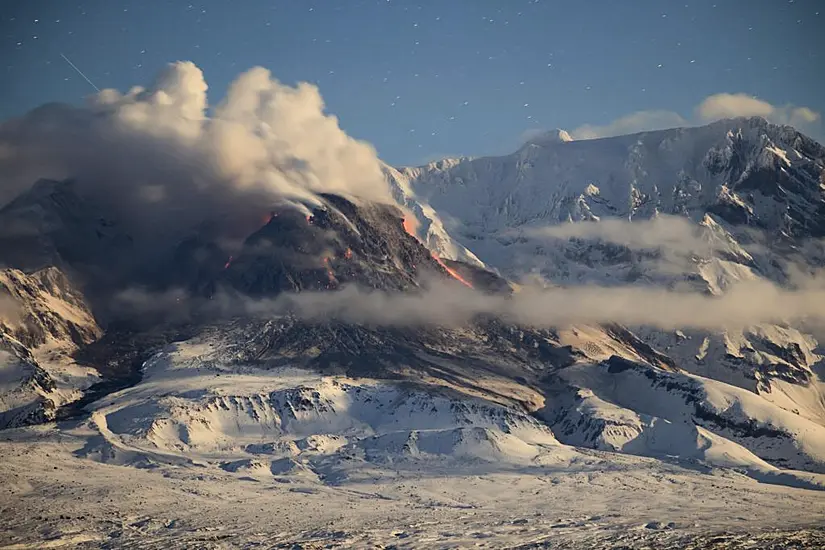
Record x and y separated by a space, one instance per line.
161 161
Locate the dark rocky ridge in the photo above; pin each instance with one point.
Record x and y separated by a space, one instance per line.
337 244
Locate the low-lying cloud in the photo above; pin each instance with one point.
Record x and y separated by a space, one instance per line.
449 304
673 233
745 304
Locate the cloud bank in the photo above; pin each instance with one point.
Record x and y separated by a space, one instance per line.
712 108
446 303
162 163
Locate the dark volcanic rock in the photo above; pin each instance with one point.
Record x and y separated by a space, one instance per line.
336 244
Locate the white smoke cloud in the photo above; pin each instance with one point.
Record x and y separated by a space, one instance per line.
640 121
720 106
156 157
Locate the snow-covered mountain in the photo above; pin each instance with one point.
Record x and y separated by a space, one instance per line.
751 194
743 171
732 177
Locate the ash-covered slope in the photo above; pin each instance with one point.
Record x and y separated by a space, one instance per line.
330 246
305 248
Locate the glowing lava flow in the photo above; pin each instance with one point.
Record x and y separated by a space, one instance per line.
451 271
408 227
228 262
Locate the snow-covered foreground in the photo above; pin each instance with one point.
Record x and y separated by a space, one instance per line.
52 497
204 454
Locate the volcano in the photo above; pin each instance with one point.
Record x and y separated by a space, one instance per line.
168 360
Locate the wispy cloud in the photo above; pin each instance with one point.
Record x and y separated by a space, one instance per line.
714 107
745 304
630 124
675 233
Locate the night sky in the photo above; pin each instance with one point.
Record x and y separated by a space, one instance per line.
427 79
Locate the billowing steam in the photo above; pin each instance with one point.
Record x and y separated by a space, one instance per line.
161 163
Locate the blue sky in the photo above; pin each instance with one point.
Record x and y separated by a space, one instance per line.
441 77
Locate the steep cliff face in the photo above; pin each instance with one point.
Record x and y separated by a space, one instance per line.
43 320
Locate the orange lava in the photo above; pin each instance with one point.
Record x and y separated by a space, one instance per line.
228 262
348 253
452 272
409 227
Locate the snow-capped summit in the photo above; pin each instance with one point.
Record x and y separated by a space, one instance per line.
744 170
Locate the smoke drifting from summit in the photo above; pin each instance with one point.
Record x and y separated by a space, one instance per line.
159 162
